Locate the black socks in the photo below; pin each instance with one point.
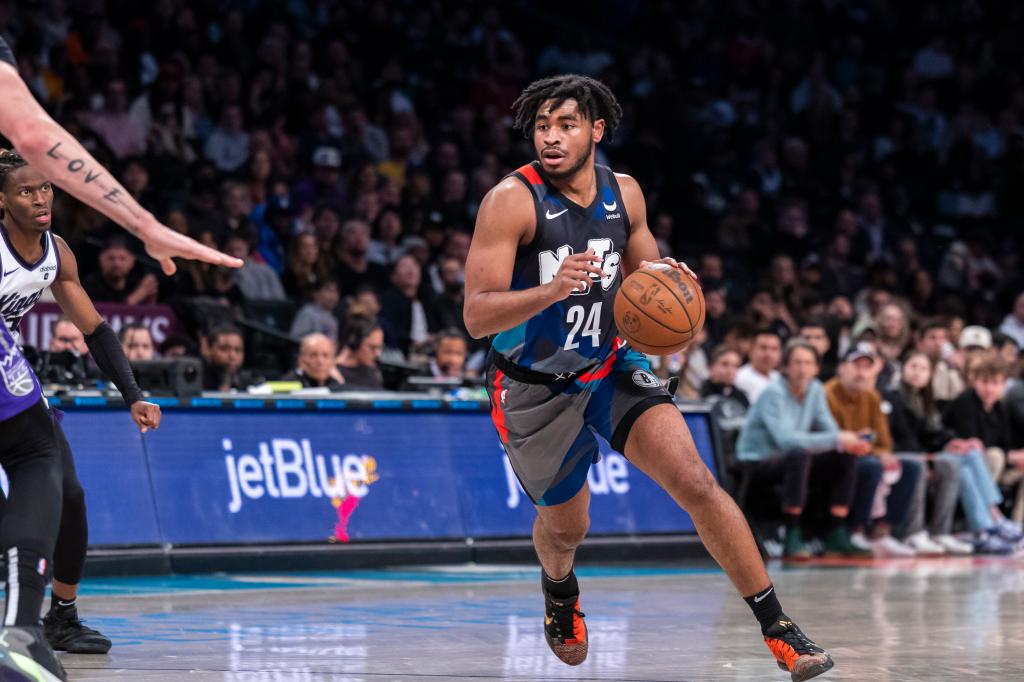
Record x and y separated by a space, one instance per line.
563 589
766 607
61 607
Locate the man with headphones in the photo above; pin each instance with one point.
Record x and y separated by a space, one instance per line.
363 342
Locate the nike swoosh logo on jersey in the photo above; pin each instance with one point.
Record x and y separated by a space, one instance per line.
551 215
610 207
12 271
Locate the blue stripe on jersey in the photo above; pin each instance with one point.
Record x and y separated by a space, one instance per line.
510 339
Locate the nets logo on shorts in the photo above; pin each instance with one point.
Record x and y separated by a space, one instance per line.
645 379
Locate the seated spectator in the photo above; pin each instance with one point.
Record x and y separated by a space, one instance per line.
318 315
893 331
980 415
137 342
916 427
933 341
257 281
386 249
354 267
791 429
815 332
1013 323
316 366
228 145
66 336
450 351
1009 352
407 319
177 347
358 359
224 353
117 281
755 376
856 406
725 362
306 267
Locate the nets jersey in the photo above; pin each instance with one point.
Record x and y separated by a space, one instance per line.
21 283
577 332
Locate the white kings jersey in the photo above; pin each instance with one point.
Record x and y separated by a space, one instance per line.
21 283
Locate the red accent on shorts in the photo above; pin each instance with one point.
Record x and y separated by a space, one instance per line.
606 367
531 175
497 413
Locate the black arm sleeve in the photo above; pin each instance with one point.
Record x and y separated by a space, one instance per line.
5 53
110 358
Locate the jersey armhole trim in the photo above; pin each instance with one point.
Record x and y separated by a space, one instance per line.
536 214
618 190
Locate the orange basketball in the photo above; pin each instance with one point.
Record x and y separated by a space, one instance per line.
659 309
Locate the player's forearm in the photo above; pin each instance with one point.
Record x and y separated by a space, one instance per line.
51 149
490 312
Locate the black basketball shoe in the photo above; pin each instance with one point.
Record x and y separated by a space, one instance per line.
66 632
564 629
795 652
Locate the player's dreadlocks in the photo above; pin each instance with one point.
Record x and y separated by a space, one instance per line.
9 160
595 101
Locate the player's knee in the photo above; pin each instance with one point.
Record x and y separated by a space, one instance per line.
698 489
74 497
568 536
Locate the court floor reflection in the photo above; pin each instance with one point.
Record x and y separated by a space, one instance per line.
913 620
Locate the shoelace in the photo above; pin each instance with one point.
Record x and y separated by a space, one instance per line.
562 617
795 637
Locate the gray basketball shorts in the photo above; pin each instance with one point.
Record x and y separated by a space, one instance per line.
548 428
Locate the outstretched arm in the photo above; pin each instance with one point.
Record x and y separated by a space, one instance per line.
103 343
51 149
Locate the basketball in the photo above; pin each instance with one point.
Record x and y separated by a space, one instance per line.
659 309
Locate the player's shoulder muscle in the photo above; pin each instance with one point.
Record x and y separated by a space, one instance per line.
506 213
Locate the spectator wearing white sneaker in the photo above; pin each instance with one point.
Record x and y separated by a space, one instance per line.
979 416
916 427
856 406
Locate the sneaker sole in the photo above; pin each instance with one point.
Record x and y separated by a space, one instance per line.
16 667
810 671
570 654
83 647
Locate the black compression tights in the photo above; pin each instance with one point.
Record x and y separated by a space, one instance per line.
31 457
73 537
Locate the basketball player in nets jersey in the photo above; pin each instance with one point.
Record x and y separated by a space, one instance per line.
33 259
553 242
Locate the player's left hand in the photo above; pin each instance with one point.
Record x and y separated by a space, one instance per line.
674 263
146 415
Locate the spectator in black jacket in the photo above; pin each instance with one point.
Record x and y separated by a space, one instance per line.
916 427
980 415
407 319
725 362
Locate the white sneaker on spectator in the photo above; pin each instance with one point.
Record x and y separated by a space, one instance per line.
860 541
924 545
889 547
954 546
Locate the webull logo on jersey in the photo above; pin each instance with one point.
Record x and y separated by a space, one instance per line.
550 261
287 468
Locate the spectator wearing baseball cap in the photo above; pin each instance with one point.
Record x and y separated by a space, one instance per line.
324 184
857 406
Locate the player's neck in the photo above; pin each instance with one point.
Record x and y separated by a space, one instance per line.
26 244
580 187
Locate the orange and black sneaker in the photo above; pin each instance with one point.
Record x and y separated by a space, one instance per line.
564 629
795 652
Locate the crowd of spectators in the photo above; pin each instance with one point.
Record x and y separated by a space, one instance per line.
844 176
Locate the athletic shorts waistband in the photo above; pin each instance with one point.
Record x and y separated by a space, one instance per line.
529 376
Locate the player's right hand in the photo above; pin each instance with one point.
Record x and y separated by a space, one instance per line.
574 274
164 244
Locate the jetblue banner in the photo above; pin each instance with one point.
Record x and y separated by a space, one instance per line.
244 477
